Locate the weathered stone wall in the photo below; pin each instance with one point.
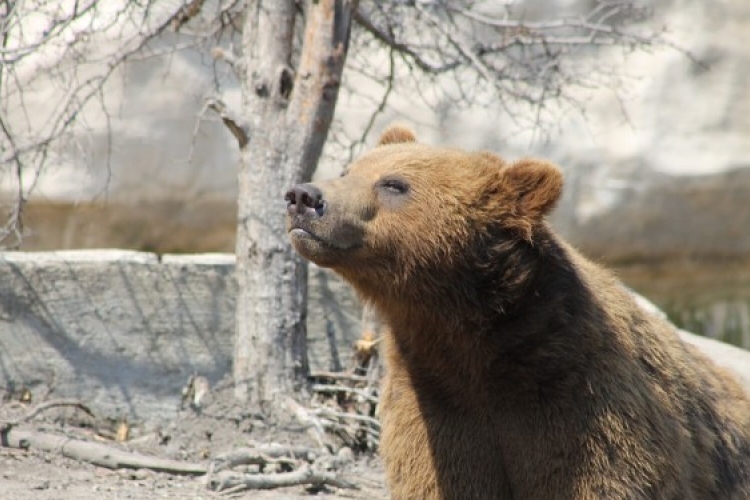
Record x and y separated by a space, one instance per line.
125 330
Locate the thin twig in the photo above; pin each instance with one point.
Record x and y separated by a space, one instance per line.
265 455
389 81
308 418
340 388
327 413
338 376
36 410
365 22
236 125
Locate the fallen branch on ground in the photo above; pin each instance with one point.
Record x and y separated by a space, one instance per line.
228 482
339 376
308 464
314 426
345 402
36 410
351 390
98 454
225 481
265 455
330 414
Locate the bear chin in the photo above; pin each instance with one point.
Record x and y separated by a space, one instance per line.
315 248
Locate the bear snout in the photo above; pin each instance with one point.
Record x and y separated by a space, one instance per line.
306 200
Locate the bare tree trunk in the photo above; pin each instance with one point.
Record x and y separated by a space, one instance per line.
288 112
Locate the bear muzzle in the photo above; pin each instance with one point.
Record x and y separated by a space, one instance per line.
305 200
315 233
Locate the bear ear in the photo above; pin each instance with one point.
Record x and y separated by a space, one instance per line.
397 134
536 186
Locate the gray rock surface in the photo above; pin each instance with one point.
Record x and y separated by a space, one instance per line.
727 356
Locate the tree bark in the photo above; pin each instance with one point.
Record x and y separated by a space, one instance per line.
288 112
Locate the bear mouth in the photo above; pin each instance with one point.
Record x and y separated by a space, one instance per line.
304 235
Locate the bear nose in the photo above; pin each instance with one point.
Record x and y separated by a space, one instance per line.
304 197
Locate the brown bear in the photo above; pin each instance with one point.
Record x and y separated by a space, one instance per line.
516 368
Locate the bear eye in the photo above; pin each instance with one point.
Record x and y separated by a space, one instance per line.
394 186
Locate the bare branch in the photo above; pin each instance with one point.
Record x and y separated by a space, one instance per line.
365 22
318 78
98 454
502 61
338 376
327 413
380 107
236 125
186 13
14 223
228 482
265 455
595 28
459 43
557 24
324 388
36 410
233 60
307 418
57 52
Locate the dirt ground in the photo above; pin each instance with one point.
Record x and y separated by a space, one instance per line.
196 436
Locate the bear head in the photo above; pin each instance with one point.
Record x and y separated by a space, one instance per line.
407 211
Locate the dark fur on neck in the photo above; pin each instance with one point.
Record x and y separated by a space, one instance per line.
517 301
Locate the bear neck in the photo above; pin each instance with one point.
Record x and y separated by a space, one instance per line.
503 313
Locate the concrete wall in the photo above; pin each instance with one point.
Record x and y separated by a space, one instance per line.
124 330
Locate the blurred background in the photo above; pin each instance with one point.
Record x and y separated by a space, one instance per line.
122 151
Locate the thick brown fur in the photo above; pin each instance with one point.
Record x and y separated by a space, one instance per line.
516 369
